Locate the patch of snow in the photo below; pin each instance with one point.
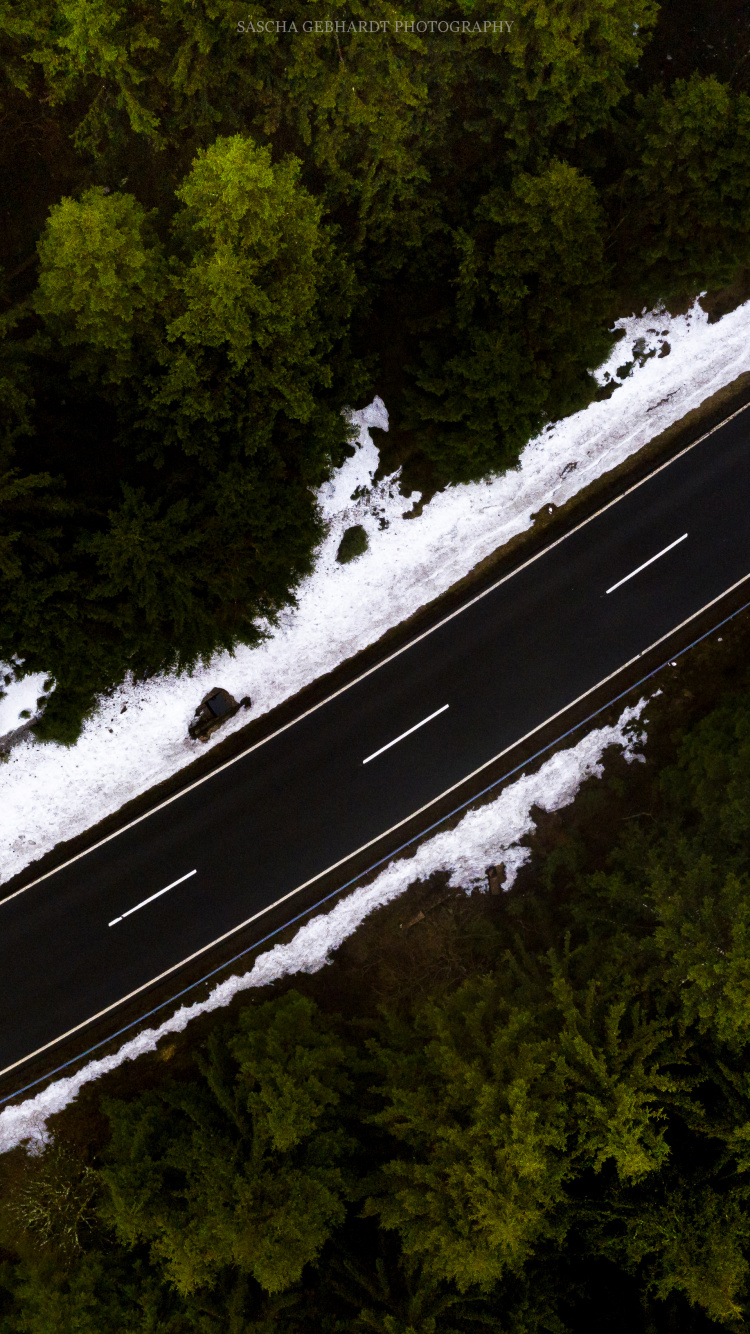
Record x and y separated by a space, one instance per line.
18 699
356 474
488 835
49 793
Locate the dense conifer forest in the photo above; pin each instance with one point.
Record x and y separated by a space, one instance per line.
214 235
221 224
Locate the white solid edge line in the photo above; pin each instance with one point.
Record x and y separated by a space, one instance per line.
157 895
408 732
241 925
646 563
376 668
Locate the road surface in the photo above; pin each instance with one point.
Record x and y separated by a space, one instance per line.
105 925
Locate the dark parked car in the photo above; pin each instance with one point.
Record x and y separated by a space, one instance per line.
214 709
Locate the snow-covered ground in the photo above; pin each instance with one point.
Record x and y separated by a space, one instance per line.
489 835
138 736
20 698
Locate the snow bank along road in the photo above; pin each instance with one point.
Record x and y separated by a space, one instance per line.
205 863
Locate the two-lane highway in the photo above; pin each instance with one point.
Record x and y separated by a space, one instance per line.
107 924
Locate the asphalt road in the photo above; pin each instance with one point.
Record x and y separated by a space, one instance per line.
305 799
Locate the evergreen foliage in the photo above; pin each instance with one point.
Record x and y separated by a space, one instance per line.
241 228
529 321
216 236
353 544
259 1150
692 182
199 367
99 280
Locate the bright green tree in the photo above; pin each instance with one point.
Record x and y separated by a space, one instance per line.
257 307
101 281
249 1168
500 1109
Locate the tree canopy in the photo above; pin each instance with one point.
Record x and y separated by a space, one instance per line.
200 364
226 226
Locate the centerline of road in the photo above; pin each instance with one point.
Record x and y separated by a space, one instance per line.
408 732
151 898
401 737
646 563
436 714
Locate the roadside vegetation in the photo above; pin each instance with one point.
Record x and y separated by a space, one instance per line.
214 237
526 1112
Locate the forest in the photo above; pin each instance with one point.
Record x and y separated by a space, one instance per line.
531 1112
222 225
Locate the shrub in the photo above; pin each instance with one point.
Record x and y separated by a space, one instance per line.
353 544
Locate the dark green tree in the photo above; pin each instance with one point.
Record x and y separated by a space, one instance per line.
687 199
531 291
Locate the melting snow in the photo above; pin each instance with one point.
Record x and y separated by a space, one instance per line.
18 697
